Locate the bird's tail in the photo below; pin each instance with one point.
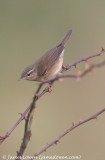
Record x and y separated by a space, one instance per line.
66 38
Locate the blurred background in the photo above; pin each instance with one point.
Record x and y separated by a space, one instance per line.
28 28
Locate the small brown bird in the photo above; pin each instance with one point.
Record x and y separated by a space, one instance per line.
48 65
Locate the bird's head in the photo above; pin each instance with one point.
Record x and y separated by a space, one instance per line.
29 73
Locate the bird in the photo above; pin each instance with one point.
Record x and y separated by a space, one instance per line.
48 65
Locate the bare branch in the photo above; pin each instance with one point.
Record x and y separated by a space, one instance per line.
85 59
28 122
24 113
31 107
74 125
16 124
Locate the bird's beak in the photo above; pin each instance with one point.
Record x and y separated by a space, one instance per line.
24 78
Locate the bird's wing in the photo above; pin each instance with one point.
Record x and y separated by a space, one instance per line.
48 60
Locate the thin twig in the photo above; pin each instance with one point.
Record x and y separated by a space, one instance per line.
74 125
85 59
24 113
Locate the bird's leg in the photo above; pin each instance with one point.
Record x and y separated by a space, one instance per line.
64 67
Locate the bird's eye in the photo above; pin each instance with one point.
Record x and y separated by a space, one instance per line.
28 74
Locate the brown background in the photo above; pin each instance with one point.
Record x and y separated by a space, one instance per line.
27 29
